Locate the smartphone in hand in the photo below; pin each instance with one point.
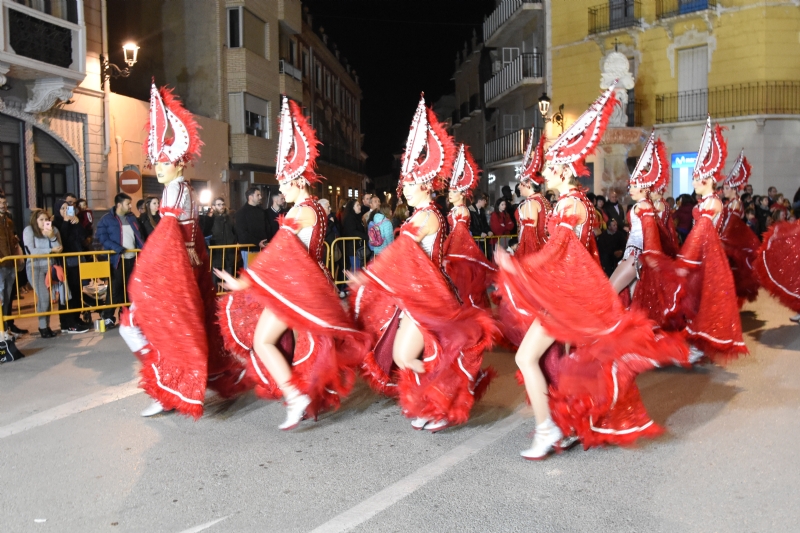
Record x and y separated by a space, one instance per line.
70 211
48 225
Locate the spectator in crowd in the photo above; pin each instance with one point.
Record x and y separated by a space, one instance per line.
352 227
118 231
86 217
149 219
222 232
251 222
763 214
500 222
374 205
9 245
400 215
70 199
600 216
613 209
671 202
332 233
748 189
366 202
682 216
140 209
510 209
41 238
478 223
73 240
611 246
772 193
779 215
275 210
379 229
751 220
340 213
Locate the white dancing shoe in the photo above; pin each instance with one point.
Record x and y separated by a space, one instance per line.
568 442
154 409
795 318
695 354
295 411
544 442
419 423
439 425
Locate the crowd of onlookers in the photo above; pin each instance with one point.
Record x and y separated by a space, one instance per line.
370 222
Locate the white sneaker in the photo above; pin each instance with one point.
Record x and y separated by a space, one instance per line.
418 423
154 409
695 354
795 318
295 410
547 436
439 425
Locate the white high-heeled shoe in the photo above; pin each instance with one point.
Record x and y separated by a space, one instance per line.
419 423
547 436
154 409
295 410
439 425
695 354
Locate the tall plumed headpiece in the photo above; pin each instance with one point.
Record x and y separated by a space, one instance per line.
173 133
297 145
532 160
466 174
429 152
740 173
580 139
652 168
712 153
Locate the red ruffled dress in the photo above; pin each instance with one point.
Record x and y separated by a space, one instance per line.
290 280
741 245
594 395
668 236
171 323
777 263
709 302
405 279
464 262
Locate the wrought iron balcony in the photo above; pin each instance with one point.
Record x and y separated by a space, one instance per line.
758 98
524 70
508 147
673 8
615 15
508 11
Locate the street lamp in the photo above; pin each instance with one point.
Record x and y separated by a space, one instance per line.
544 108
544 105
109 70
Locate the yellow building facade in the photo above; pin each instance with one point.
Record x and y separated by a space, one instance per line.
738 60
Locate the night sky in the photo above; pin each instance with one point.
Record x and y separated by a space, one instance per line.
399 48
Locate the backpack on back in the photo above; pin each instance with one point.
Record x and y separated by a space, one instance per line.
374 233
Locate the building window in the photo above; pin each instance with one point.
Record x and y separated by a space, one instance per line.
318 76
292 52
235 27
693 83
305 64
249 114
62 9
327 85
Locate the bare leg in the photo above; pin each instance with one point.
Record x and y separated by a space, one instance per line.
624 275
533 346
408 346
268 332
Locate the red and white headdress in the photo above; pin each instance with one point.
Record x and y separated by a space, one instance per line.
580 139
532 161
429 136
712 153
740 173
167 113
465 173
297 145
652 168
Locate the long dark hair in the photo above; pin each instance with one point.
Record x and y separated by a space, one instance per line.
153 221
497 205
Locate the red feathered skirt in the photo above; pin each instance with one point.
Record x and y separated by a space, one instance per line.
596 396
173 313
741 245
467 267
404 282
709 303
777 263
322 343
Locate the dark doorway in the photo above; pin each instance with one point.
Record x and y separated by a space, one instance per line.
51 185
11 183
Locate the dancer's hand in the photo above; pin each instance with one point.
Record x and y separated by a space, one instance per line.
229 282
415 364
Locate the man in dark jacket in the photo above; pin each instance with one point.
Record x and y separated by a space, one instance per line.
478 223
118 231
223 233
73 240
611 246
277 209
614 210
251 222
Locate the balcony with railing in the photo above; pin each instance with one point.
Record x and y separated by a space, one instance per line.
524 71
757 98
508 17
340 158
509 148
284 67
615 15
673 8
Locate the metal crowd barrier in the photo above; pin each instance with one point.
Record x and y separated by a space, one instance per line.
352 256
489 244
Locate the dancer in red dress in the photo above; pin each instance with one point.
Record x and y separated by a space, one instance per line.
427 346
287 288
171 324
738 240
666 227
465 263
709 307
595 396
532 215
777 264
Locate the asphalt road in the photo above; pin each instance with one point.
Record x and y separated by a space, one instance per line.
76 455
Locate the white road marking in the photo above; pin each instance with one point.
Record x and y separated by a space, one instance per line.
397 491
201 527
96 399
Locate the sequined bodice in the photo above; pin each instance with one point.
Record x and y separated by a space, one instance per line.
456 215
312 237
433 244
584 230
703 209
